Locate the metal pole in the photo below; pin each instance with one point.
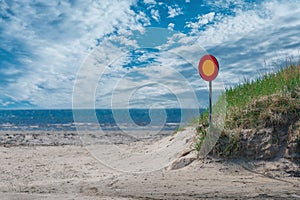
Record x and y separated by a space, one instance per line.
210 104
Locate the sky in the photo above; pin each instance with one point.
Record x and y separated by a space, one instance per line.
139 54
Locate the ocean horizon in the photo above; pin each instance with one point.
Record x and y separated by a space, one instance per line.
106 119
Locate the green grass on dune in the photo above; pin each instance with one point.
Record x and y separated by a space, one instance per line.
283 81
269 101
273 93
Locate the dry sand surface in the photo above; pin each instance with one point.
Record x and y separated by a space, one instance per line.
136 170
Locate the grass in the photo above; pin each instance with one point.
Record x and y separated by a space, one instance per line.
248 104
202 134
269 101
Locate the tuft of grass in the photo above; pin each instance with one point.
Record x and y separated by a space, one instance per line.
202 132
228 145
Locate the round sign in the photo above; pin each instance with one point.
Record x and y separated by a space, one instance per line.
208 67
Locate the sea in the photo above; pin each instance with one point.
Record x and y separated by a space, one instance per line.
105 119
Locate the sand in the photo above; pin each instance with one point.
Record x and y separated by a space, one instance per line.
138 169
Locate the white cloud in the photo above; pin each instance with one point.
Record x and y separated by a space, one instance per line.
227 4
141 17
149 1
206 18
171 26
202 20
232 28
174 11
10 71
155 15
252 21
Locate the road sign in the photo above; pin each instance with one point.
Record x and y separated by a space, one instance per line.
208 67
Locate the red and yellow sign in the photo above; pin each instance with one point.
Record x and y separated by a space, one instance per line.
208 67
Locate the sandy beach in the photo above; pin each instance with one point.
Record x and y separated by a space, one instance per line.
127 169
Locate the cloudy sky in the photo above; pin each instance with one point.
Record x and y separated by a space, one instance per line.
144 53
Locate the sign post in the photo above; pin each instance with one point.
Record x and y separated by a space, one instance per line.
210 103
208 69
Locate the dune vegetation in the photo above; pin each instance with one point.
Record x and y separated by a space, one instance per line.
262 119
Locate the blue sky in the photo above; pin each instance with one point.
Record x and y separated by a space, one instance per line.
137 53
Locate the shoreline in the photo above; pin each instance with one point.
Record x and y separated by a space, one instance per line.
56 138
